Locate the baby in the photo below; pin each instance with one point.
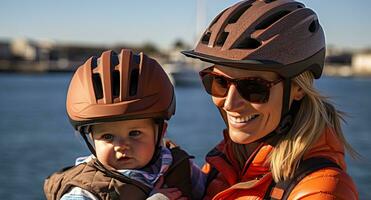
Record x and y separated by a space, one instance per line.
120 104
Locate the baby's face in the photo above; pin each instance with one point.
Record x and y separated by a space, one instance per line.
128 144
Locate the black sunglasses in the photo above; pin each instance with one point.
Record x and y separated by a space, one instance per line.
253 89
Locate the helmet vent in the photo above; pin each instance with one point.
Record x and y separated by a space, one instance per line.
115 83
271 19
97 85
205 39
221 39
133 82
248 43
94 62
136 59
114 59
238 13
313 27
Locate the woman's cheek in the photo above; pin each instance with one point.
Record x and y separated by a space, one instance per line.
219 102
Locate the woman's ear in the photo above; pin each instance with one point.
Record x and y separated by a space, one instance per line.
297 92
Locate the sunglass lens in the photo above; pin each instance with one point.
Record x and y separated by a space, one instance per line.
253 91
215 85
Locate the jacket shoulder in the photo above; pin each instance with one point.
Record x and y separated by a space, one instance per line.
179 173
328 183
55 184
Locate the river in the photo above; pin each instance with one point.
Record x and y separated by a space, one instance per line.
37 139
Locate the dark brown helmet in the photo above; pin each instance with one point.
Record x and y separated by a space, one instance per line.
282 36
119 87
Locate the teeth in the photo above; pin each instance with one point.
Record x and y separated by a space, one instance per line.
243 119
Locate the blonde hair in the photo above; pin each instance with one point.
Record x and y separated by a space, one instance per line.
314 115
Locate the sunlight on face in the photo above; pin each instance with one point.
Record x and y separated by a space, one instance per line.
248 122
128 144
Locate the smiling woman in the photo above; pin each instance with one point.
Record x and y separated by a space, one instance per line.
247 122
283 139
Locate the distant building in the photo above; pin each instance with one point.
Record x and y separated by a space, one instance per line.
29 50
335 51
361 62
342 59
69 56
5 53
23 49
338 62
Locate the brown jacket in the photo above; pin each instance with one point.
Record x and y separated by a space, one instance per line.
111 185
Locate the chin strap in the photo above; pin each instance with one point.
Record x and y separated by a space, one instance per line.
84 130
286 116
157 153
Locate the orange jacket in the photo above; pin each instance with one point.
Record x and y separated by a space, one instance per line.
233 183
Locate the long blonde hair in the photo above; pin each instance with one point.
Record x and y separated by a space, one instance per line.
315 114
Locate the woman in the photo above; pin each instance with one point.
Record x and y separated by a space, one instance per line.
284 139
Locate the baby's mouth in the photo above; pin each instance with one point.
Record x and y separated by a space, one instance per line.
123 157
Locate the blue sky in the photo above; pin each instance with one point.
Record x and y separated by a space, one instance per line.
346 23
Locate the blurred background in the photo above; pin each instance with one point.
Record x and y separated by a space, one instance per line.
42 42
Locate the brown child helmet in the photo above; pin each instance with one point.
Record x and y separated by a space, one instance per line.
119 87
282 36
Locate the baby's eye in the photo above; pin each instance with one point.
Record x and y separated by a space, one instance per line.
135 133
107 137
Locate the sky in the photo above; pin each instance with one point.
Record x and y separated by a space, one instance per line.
346 23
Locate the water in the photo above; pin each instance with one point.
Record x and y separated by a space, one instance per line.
37 139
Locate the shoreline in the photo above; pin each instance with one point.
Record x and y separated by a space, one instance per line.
31 67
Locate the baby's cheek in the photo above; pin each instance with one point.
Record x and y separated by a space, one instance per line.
104 154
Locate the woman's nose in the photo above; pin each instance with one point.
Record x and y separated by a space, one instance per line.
233 100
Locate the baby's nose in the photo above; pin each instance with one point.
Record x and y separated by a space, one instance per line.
121 145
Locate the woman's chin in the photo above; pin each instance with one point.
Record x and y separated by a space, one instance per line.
241 137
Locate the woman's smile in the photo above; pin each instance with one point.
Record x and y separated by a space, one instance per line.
239 122
242 119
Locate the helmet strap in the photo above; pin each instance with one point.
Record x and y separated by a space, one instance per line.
161 124
83 132
286 117
158 146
